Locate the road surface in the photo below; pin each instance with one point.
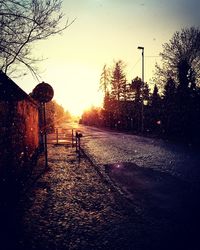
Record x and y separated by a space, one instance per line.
109 147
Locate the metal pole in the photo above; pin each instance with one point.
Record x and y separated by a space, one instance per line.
143 65
72 138
56 136
142 122
79 147
76 141
142 104
45 136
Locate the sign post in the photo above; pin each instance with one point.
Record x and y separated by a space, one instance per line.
43 93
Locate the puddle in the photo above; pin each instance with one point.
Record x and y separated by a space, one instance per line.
131 175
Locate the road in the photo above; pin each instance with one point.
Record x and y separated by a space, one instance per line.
161 179
109 147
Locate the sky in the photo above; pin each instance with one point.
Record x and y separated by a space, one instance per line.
105 31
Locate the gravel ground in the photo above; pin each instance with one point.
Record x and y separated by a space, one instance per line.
71 206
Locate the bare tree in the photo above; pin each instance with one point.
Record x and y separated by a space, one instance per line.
181 59
23 22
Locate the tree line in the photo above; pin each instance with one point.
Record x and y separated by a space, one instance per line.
55 115
171 109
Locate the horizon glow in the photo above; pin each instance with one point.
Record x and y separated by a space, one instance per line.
105 31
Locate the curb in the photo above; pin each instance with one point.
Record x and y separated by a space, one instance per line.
105 178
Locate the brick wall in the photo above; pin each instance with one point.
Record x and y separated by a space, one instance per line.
19 129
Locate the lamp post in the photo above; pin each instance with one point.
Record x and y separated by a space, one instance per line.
142 106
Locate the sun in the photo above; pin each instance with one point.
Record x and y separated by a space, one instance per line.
76 85
77 88
77 103
77 109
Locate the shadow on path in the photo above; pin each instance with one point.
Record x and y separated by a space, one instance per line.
161 198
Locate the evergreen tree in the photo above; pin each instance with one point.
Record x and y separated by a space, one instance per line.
105 80
118 81
169 111
136 86
155 111
139 94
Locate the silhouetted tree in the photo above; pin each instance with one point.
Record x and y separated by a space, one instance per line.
105 80
55 115
118 81
136 86
92 117
22 23
154 111
155 98
181 59
107 110
179 74
169 109
140 96
169 91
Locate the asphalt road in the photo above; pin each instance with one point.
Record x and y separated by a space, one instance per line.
160 179
110 147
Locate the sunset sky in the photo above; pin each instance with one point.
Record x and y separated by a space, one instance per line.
104 31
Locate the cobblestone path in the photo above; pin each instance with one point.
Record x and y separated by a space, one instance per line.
72 207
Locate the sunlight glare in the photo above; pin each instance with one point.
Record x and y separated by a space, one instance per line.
76 87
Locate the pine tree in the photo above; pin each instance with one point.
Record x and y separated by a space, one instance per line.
155 111
118 81
170 111
105 80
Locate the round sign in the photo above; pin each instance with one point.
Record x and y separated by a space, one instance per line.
43 92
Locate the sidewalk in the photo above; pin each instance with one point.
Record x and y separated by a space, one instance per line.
71 206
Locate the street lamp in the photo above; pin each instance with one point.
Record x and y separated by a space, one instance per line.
142 48
142 107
